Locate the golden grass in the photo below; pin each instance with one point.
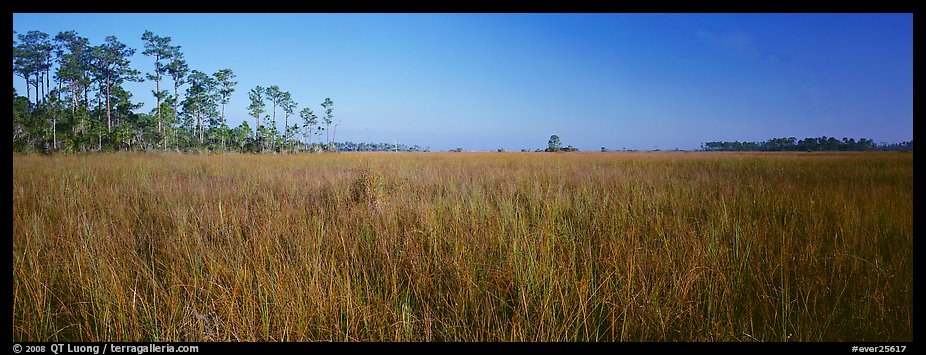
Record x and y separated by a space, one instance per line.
464 247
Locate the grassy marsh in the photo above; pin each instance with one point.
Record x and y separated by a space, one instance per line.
464 247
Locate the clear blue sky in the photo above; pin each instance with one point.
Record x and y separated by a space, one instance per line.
488 81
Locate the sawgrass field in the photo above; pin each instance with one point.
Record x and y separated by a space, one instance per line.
644 246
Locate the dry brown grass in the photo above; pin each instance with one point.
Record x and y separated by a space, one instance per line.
464 247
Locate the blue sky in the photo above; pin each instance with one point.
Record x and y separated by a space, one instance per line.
489 81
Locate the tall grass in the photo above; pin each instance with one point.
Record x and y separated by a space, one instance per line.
464 247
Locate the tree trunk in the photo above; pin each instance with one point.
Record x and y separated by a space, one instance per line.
109 125
74 94
157 86
273 138
176 99
28 88
308 137
224 125
36 90
54 133
41 78
75 90
200 119
99 105
38 81
47 84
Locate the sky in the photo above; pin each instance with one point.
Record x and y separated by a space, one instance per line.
510 81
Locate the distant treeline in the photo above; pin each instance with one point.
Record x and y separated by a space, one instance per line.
379 147
807 144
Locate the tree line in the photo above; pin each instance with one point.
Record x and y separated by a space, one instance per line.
823 143
75 102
